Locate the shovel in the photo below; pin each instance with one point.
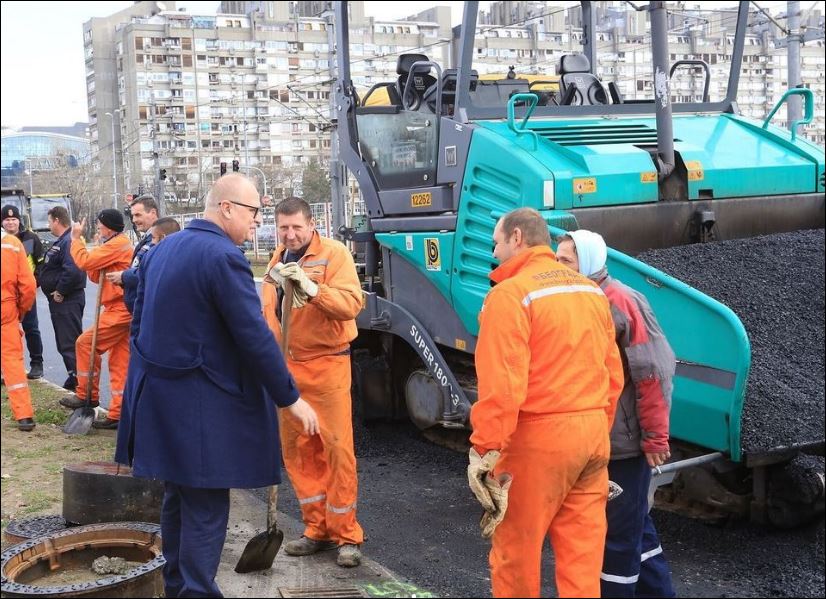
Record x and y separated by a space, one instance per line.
260 551
82 418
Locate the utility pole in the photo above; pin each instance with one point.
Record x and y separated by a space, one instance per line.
338 172
244 121
114 162
794 109
159 191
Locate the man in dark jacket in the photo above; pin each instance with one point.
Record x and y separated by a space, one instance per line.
205 375
34 256
634 564
63 284
144 214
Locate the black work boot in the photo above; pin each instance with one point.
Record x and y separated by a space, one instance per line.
73 402
70 384
106 424
25 424
36 371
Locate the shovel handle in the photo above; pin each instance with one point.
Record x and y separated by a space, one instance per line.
286 311
89 381
272 508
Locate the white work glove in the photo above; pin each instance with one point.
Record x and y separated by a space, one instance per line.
295 273
477 471
614 490
497 487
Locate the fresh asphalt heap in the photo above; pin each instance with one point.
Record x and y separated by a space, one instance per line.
775 285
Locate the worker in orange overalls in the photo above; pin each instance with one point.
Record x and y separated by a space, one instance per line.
115 254
549 377
327 299
18 293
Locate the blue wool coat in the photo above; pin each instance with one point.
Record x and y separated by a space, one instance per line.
205 374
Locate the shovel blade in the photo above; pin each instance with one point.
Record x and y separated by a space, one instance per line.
260 551
80 421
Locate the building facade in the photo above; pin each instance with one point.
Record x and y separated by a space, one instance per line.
175 95
39 149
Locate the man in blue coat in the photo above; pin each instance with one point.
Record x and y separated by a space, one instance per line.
203 385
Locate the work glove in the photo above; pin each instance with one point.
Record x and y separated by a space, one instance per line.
498 489
294 272
614 490
477 471
274 275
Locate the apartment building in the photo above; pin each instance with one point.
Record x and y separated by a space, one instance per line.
177 94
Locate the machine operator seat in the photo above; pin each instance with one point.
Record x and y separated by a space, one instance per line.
449 80
575 70
421 80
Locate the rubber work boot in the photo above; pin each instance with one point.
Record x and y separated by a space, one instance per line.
73 402
36 371
307 546
106 424
349 556
25 424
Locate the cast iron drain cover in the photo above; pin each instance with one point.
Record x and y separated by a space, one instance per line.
298 593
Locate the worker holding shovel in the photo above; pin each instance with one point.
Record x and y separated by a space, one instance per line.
114 253
326 301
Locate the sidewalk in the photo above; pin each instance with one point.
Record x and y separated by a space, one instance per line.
310 576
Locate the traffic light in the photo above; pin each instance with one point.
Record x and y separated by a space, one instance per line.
235 166
223 168
163 174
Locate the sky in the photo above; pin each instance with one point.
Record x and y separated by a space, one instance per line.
42 72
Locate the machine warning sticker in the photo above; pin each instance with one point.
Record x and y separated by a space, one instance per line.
421 200
695 170
588 185
432 255
648 177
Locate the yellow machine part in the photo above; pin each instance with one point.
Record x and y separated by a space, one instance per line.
380 97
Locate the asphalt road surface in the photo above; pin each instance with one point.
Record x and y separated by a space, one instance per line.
421 521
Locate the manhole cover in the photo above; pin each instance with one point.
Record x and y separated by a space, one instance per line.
29 528
322 592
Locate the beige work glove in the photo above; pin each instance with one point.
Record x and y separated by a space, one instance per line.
497 487
274 275
477 471
294 272
614 490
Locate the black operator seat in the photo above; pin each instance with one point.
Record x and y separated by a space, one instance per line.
449 81
575 70
421 80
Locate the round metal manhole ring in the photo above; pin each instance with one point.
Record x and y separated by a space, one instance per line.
29 528
138 538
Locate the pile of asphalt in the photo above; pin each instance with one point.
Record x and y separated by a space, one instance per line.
775 285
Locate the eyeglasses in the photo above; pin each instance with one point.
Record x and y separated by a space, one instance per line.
254 209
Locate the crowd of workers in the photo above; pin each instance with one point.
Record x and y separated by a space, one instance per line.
574 386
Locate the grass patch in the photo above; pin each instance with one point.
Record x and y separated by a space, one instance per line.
37 501
32 463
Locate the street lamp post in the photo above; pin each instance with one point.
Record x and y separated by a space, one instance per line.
263 176
114 163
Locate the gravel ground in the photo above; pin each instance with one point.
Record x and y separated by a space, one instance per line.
775 285
421 521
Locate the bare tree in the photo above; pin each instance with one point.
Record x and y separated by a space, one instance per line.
284 180
89 190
